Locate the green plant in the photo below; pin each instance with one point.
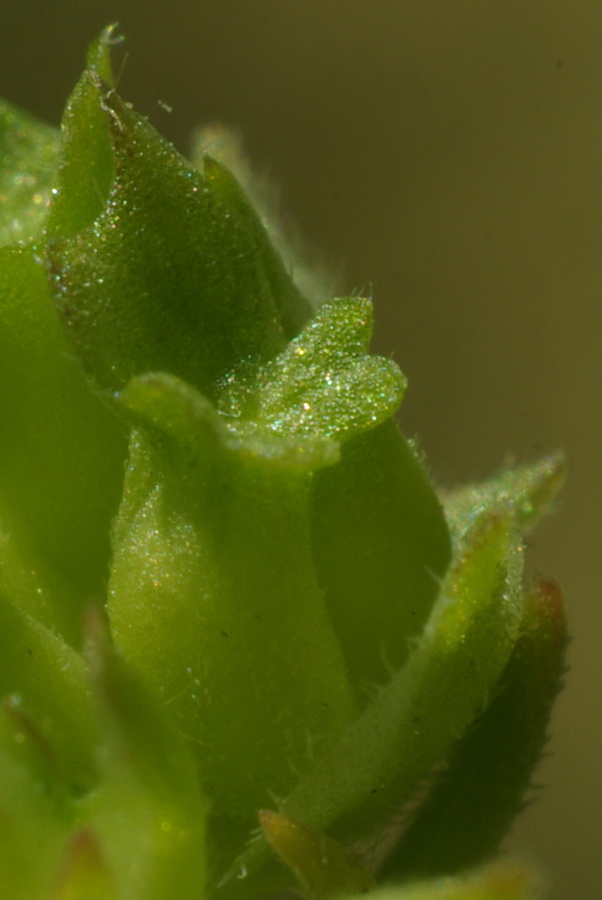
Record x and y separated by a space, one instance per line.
245 647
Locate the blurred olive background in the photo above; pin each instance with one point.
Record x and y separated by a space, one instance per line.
444 157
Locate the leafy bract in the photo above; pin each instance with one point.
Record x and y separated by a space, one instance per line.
244 473
324 384
378 532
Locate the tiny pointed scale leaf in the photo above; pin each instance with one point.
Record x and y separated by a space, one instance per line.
323 867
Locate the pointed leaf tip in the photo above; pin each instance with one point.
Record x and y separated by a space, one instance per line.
322 865
525 492
85 873
98 58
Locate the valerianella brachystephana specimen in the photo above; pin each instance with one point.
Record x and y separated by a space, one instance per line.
245 648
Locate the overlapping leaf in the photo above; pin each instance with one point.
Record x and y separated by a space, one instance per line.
160 267
28 161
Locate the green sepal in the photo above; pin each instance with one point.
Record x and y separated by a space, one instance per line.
61 454
28 160
212 551
481 790
323 867
175 271
148 810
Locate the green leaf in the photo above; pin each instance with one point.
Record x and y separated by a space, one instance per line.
177 409
40 670
212 553
34 822
28 159
378 529
446 683
481 790
373 766
175 273
62 451
148 811
33 591
381 548
315 277
324 384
